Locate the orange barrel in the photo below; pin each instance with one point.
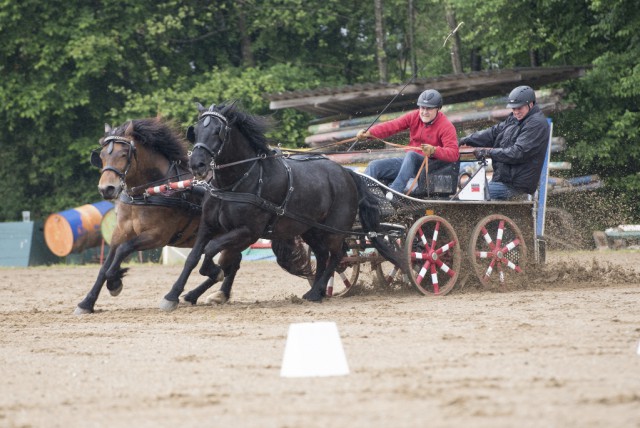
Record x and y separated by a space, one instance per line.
75 230
108 225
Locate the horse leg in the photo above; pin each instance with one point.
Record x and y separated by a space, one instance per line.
321 252
87 305
114 273
215 274
230 262
315 294
170 300
193 295
230 244
319 288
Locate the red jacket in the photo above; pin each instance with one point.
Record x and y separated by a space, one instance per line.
440 133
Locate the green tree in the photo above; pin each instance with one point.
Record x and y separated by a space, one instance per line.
604 127
68 67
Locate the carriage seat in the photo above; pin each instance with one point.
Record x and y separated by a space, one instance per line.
441 181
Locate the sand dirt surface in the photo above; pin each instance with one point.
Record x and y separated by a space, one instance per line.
559 350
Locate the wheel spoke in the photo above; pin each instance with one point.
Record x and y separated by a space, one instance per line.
445 248
511 245
484 254
330 287
392 274
423 238
419 256
500 274
434 239
345 280
423 271
445 268
434 279
487 238
499 233
513 266
489 271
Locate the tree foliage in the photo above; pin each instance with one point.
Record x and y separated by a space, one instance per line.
68 67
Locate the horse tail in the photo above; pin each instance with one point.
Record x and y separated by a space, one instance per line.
369 212
293 256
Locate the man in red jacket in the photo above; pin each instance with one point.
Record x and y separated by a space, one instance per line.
431 134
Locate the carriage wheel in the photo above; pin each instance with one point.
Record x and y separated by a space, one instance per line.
346 274
387 274
433 255
497 249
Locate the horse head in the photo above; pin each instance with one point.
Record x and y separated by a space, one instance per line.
114 157
209 136
137 153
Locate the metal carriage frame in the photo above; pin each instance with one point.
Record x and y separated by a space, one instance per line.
446 241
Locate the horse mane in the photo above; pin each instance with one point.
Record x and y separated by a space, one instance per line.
253 127
158 135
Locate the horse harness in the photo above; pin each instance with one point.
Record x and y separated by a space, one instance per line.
230 194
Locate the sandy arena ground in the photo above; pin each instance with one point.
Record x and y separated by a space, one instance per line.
561 350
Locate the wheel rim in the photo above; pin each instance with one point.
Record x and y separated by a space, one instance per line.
433 255
387 274
497 249
345 276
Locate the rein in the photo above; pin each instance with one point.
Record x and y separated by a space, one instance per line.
266 205
260 157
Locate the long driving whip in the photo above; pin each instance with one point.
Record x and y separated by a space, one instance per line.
455 30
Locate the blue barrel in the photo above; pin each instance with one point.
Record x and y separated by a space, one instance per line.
75 230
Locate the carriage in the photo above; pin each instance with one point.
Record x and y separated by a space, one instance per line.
450 233
428 241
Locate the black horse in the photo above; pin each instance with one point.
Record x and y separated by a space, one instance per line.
258 192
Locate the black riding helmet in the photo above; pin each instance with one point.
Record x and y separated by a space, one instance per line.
430 98
520 96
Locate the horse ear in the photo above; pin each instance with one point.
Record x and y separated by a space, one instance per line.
200 107
228 108
129 130
107 128
191 134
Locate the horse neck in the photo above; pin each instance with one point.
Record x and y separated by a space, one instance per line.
147 167
237 149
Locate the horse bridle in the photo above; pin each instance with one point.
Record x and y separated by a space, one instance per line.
223 134
110 141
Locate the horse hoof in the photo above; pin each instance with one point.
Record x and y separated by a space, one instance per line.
116 291
80 311
312 297
190 299
168 305
217 298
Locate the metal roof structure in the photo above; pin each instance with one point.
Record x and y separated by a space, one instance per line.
368 99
